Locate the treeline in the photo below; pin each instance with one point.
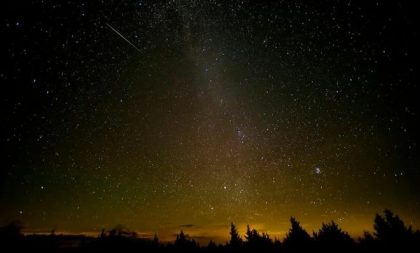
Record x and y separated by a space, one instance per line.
390 235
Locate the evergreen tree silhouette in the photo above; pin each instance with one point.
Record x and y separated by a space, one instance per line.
250 235
183 244
392 233
256 242
212 246
368 243
180 238
390 227
103 234
235 238
331 238
297 239
155 239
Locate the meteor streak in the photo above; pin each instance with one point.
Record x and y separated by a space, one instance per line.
122 36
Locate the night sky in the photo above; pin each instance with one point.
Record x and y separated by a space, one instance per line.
183 114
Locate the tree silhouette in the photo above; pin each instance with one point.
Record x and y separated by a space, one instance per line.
297 239
251 236
391 231
390 227
332 239
390 235
212 246
180 238
235 238
257 242
368 243
156 239
103 233
183 243
11 231
11 235
118 230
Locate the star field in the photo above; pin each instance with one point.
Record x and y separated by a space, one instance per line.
162 115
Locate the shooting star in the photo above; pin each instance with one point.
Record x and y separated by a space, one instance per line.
122 36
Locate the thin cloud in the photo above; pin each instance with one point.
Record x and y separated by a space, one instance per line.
187 226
